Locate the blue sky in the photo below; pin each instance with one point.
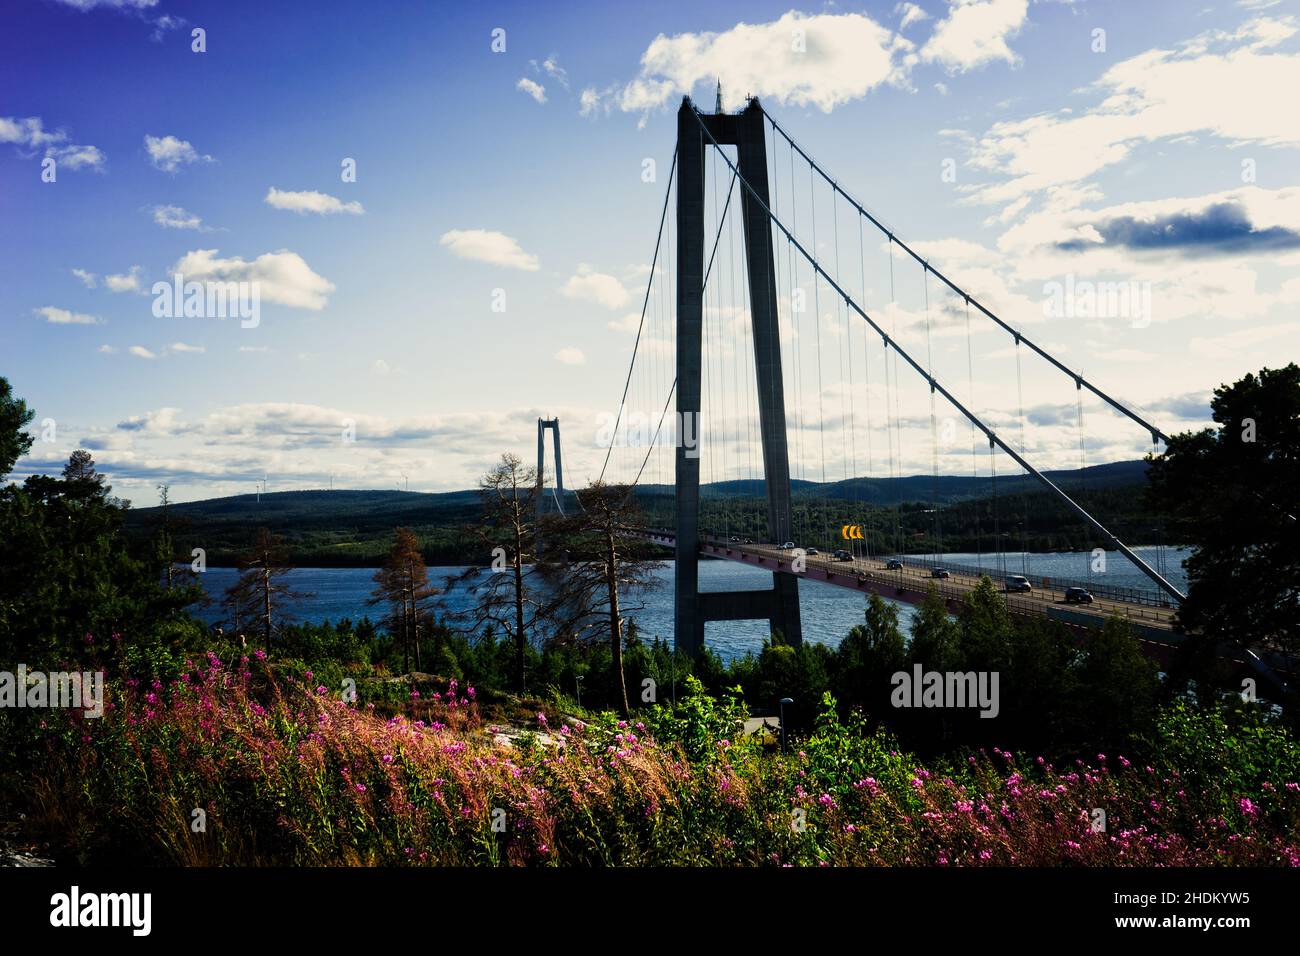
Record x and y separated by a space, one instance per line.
522 171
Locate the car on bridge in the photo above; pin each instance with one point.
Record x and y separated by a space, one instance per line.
1078 596
842 555
939 573
1018 583
812 551
787 546
893 564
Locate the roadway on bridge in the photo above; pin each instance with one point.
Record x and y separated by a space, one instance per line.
913 582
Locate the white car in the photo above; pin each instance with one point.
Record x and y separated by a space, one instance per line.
787 546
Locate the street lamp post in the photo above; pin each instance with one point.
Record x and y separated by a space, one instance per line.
784 701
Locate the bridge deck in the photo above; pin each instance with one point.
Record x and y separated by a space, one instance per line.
912 583
1153 627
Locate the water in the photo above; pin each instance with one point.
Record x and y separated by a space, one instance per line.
828 612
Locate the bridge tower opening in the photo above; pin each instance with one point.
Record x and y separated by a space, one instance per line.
778 605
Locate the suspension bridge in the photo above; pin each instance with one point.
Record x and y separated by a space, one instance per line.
792 353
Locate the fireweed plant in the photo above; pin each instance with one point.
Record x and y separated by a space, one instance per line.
236 763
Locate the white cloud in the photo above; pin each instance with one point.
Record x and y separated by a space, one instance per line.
88 279
822 60
590 102
552 67
163 421
56 316
592 286
911 13
139 351
1156 95
124 282
30 135
628 323
111 4
305 202
182 347
1242 339
107 349
975 33
169 153
380 367
570 356
174 217
282 277
532 88
485 245
253 348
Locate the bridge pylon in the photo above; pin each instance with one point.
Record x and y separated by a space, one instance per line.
542 425
779 605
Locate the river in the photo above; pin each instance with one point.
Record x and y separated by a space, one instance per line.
828 612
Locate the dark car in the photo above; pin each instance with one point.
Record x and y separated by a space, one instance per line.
1078 596
939 572
1017 583
842 555
893 564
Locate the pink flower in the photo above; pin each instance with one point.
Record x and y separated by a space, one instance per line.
1247 807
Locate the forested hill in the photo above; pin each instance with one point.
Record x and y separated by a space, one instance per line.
354 528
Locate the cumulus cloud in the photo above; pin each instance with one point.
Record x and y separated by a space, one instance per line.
31 137
161 421
57 316
282 277
975 33
88 279
169 153
628 323
532 88
107 349
591 102
486 245
821 60
910 13
592 286
139 351
570 356
183 348
1234 222
304 202
1223 227
175 217
124 282
1208 85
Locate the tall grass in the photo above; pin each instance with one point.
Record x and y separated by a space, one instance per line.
233 765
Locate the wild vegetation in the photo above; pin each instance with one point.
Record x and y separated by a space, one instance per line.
426 741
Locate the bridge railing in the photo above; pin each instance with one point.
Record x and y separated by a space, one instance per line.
1148 597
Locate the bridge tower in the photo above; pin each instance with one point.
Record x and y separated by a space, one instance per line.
542 425
778 605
